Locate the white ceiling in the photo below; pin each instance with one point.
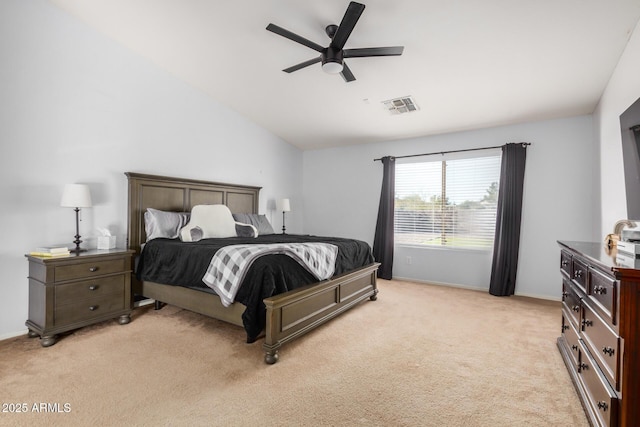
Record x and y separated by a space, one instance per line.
468 63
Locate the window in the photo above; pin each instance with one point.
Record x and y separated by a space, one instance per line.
447 203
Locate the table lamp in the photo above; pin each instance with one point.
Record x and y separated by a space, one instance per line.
76 196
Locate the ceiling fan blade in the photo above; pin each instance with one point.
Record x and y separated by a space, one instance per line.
349 20
296 38
373 51
302 65
346 73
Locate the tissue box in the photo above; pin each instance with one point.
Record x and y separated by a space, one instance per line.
106 242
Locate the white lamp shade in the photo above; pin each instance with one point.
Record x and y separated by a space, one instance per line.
285 205
76 196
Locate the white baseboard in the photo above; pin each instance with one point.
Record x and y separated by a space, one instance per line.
449 285
13 334
473 288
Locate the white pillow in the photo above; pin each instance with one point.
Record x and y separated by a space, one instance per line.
209 221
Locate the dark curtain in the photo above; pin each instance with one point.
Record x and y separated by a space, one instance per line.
383 240
507 237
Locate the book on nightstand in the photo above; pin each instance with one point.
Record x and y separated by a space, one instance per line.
50 252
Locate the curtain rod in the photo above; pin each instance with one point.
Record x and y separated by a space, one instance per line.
524 144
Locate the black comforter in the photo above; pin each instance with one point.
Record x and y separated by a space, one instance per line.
174 262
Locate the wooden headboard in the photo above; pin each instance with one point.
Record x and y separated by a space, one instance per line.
180 195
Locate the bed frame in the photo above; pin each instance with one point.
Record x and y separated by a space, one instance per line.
289 315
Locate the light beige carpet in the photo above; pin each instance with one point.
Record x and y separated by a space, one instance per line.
420 355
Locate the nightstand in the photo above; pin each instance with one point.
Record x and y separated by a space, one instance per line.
75 291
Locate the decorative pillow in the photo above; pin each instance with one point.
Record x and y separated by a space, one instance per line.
164 224
259 221
213 220
246 230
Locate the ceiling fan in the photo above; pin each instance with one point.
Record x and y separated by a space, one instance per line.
332 56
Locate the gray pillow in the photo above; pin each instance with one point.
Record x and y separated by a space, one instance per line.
164 224
257 220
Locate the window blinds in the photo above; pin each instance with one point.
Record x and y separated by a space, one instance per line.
447 203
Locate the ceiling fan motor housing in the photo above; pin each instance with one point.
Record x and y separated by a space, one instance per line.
332 60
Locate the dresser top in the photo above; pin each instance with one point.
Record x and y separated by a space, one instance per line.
597 253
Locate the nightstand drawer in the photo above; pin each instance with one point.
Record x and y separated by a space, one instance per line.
88 309
88 269
89 289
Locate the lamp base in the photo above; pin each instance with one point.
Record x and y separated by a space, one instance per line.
284 230
77 249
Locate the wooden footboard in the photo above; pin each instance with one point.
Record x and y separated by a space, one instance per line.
297 312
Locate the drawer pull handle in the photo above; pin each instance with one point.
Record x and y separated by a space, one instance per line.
574 347
93 287
93 308
608 350
575 308
93 269
565 327
587 322
600 290
565 294
565 262
583 366
603 405
577 274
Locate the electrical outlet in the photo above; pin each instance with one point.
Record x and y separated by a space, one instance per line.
408 261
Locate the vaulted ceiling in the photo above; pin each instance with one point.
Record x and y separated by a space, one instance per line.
468 64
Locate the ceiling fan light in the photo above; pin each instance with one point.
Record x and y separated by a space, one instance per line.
332 67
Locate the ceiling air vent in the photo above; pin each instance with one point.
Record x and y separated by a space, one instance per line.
401 105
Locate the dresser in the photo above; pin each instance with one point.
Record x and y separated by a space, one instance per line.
71 292
600 335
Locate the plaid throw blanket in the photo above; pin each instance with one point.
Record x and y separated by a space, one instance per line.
230 264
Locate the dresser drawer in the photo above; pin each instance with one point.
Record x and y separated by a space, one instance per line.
579 274
603 290
603 342
571 337
571 302
88 269
601 397
87 309
88 289
565 263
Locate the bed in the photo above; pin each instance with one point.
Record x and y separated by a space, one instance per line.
287 315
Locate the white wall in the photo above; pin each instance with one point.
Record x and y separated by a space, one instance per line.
76 107
622 91
342 190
